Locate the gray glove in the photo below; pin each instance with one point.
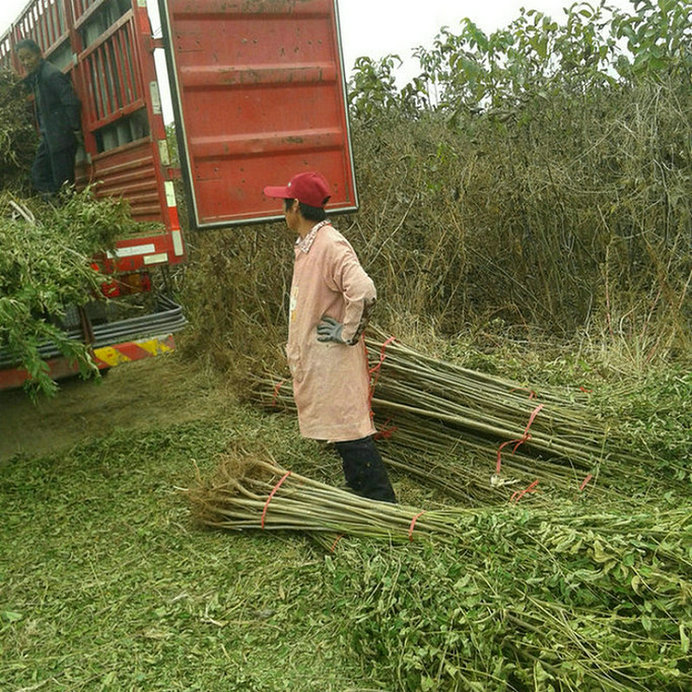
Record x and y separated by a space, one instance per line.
330 330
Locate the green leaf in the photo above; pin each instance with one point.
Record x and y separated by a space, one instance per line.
599 555
451 670
427 683
540 673
636 584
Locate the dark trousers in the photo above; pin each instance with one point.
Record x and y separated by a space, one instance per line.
51 170
364 470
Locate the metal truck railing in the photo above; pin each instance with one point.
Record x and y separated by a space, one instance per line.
107 47
167 319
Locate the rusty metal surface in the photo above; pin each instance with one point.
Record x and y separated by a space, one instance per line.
127 171
259 92
104 45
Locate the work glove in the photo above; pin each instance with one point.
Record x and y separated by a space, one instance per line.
330 330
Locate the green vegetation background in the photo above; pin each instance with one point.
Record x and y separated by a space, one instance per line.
525 210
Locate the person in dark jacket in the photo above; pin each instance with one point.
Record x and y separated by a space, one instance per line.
58 113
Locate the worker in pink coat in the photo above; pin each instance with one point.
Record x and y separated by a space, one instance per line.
331 296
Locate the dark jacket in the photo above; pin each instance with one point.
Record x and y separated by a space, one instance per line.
57 106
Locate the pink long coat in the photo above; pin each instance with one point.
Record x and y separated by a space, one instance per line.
330 380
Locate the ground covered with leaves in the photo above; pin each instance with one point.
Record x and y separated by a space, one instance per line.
107 583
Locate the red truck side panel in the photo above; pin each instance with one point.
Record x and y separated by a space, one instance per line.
107 48
259 95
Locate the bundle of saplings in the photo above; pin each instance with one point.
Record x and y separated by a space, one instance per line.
571 595
45 265
18 138
484 439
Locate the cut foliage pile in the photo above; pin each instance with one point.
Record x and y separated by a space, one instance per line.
18 139
45 266
564 596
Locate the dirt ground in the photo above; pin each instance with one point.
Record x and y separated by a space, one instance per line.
145 394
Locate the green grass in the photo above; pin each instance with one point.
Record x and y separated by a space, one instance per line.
107 584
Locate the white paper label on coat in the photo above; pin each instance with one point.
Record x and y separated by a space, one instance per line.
293 303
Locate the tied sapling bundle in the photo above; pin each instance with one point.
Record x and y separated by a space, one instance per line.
249 492
497 596
479 437
491 598
563 598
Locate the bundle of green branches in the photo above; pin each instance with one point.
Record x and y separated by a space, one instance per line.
479 437
251 491
561 599
46 252
18 139
491 598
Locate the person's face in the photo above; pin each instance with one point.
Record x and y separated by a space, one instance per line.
291 214
29 59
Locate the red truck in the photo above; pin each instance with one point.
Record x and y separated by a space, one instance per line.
258 93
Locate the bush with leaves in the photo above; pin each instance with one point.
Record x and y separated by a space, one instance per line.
547 182
469 70
45 266
659 39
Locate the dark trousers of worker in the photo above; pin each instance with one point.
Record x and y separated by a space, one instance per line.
364 470
52 169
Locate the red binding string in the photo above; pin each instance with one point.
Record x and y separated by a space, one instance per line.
383 355
585 390
276 392
271 494
517 495
413 524
375 369
525 437
336 540
386 432
584 482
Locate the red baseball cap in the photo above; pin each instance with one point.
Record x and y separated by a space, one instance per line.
309 188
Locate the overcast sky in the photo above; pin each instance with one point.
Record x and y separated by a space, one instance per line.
379 27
